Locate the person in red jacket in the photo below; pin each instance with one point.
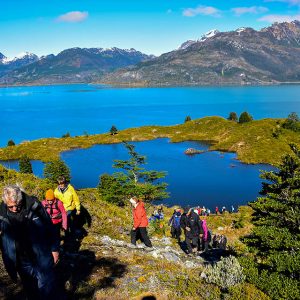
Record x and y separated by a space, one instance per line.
56 211
140 222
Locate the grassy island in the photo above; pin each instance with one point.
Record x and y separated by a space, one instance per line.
262 141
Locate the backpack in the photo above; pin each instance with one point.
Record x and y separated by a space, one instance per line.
219 242
53 210
223 242
176 221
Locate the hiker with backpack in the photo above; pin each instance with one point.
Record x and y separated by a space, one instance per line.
28 244
56 211
174 222
204 237
66 193
193 230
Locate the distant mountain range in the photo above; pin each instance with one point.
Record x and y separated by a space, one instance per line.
69 66
244 56
7 64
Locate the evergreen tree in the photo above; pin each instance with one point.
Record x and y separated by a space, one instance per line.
133 180
187 119
10 143
66 135
233 117
56 168
275 240
292 122
113 130
245 117
25 165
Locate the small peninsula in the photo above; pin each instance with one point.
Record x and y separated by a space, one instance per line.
254 142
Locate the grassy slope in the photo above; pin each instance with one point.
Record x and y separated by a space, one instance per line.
117 273
253 142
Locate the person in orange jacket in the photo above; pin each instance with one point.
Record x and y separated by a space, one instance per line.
140 223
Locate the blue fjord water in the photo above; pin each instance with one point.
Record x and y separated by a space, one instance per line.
28 113
210 179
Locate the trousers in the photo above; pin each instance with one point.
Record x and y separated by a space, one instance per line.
140 233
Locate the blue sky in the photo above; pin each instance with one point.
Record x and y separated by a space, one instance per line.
153 27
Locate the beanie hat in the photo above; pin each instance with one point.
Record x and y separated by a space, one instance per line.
50 195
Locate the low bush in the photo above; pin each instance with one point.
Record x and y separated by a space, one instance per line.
225 273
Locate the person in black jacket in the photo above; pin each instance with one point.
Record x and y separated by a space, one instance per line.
192 229
28 243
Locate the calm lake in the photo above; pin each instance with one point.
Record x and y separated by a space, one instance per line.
28 113
210 179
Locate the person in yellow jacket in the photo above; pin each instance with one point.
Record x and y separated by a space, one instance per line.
65 192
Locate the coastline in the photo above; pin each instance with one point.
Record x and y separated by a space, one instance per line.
252 142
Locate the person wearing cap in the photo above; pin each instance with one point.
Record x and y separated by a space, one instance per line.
140 223
65 192
56 211
28 243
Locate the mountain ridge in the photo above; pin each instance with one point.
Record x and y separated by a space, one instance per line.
240 57
73 65
243 56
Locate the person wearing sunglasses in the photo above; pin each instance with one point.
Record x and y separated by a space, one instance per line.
28 243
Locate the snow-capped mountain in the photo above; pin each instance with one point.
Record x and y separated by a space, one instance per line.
9 64
203 38
25 57
242 56
73 65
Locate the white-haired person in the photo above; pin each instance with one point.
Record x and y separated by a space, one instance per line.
29 247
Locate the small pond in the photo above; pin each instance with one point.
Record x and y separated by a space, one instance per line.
210 179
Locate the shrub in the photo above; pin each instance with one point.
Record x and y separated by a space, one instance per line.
10 143
245 117
292 122
276 132
111 190
25 165
66 135
245 291
233 117
56 168
225 273
187 119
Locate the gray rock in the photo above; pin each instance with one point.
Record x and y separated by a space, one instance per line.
169 256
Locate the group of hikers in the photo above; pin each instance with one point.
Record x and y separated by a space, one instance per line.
192 222
31 233
30 236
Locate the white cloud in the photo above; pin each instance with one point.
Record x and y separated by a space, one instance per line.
249 10
279 18
73 17
202 10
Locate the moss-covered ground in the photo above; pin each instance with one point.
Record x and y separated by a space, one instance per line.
262 141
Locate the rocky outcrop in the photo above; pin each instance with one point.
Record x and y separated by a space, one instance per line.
192 151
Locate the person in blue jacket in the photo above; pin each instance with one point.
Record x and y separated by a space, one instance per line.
28 244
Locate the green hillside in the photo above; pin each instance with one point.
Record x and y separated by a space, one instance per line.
262 141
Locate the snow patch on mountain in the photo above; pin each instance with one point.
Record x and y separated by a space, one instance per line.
21 56
203 38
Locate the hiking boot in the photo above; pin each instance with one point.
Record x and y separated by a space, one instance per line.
132 246
149 248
